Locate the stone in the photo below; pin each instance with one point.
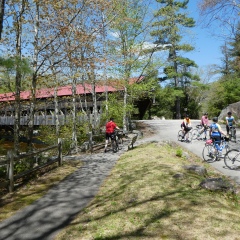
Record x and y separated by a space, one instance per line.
200 170
216 184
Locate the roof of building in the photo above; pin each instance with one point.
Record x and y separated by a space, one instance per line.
67 90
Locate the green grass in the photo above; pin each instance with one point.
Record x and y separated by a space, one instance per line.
142 200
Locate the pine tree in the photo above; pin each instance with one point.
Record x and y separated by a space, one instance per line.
167 29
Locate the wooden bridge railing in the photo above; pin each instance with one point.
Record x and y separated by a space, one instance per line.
47 119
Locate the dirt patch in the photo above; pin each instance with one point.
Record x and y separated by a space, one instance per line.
145 129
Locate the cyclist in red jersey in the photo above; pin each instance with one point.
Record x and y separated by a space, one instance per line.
110 127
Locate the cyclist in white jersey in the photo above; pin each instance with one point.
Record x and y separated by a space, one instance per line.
229 121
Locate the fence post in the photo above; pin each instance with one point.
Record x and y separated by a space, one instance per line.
90 142
10 174
59 152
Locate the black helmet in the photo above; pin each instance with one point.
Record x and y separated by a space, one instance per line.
215 119
229 113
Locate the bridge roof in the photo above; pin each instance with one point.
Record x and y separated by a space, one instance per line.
67 90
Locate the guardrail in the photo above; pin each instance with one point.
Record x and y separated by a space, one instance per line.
12 159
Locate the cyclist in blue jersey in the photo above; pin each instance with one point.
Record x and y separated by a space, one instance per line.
229 121
215 133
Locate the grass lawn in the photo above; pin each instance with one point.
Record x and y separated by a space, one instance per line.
142 200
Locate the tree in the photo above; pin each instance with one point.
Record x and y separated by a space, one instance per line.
167 29
129 55
235 51
222 14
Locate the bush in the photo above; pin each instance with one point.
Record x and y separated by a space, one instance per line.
179 152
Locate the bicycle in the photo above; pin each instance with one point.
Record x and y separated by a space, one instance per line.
182 136
232 133
232 159
117 140
210 151
198 134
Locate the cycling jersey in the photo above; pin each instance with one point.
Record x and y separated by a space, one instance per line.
110 127
230 120
204 120
215 130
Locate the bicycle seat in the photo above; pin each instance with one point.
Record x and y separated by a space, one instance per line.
209 141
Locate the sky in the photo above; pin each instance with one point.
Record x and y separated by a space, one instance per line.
207 46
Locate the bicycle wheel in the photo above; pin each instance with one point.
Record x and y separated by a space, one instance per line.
119 144
232 159
189 137
195 134
208 153
180 135
114 146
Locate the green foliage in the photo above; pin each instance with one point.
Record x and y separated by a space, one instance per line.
222 93
167 29
8 70
165 101
179 152
48 134
114 109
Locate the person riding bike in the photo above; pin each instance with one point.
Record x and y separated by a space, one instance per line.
110 127
215 134
186 125
229 121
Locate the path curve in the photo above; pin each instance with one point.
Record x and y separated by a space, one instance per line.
168 129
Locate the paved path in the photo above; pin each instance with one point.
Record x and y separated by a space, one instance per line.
168 129
46 217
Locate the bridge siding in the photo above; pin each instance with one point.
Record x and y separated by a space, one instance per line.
46 120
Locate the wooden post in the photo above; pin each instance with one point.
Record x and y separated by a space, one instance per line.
59 152
11 167
90 142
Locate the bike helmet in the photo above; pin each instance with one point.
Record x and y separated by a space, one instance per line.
205 113
229 113
215 119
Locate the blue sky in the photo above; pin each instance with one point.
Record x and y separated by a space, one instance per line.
207 46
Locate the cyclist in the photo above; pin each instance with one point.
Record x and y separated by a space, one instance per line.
110 127
204 123
186 126
215 133
229 121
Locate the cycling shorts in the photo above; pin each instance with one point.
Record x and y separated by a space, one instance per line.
109 135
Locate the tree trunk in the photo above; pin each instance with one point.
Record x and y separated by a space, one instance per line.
56 112
18 79
74 113
2 8
34 81
125 127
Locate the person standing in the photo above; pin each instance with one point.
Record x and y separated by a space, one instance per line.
204 123
110 127
229 121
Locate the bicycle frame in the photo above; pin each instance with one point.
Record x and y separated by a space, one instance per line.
210 151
